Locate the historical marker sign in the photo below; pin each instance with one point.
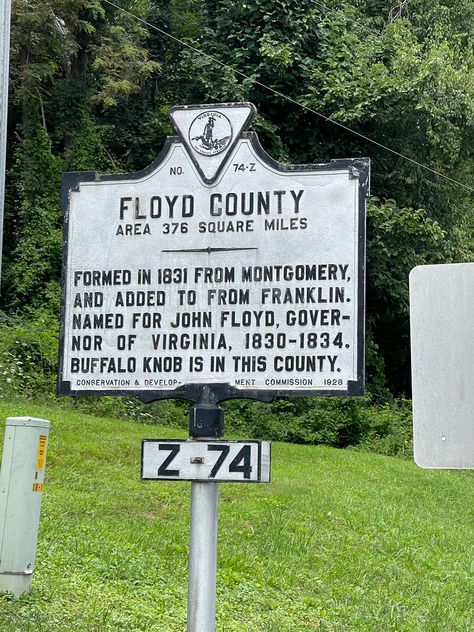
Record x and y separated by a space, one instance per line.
216 265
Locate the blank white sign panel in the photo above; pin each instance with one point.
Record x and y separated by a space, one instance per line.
442 348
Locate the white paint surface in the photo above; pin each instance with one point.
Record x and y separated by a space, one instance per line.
442 347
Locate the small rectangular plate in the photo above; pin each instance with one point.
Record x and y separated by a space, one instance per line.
210 461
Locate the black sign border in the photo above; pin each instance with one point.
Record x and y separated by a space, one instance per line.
357 168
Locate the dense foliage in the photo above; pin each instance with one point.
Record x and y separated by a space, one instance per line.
91 87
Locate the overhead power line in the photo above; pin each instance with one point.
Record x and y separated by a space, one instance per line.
290 99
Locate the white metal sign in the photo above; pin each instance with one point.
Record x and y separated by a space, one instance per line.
206 461
216 266
442 355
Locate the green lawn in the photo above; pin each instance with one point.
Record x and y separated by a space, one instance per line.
339 541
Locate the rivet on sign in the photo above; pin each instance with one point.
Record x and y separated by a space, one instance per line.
197 460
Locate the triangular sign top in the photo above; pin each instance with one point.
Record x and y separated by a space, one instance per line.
210 132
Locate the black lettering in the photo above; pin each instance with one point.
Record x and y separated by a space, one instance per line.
244 455
171 203
155 207
137 209
224 451
124 206
173 448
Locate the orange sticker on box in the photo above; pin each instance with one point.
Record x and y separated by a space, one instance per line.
41 456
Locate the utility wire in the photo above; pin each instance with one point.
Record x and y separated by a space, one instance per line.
290 99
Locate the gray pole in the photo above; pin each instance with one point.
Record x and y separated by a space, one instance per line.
206 421
5 11
203 558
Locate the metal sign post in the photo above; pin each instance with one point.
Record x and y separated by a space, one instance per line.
203 558
204 419
215 273
5 12
205 462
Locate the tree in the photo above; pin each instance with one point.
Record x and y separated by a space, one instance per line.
70 63
405 82
92 87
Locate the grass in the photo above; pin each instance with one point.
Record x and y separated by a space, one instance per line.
339 541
